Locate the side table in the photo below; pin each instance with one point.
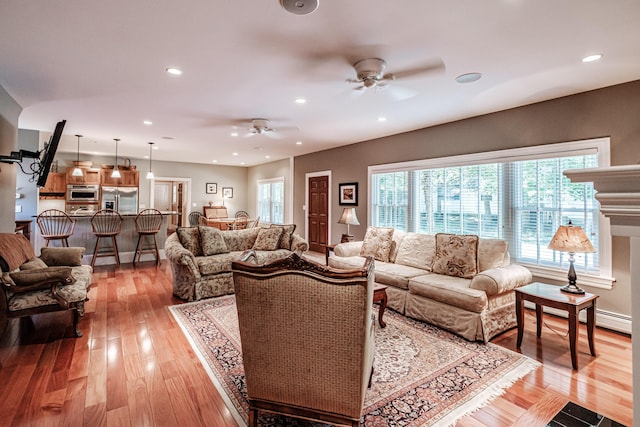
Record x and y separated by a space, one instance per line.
327 249
380 295
542 294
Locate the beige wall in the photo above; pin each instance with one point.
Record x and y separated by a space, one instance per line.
609 112
9 113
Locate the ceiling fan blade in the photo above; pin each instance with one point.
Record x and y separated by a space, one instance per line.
432 67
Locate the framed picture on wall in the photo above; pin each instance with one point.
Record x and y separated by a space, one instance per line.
212 188
348 194
227 192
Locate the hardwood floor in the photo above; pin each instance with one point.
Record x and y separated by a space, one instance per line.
134 367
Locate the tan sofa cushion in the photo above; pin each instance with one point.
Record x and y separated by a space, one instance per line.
377 243
395 244
456 255
190 239
396 275
450 290
491 253
33 264
268 239
240 240
212 241
417 250
287 234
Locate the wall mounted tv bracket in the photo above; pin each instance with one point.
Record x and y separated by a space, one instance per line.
17 156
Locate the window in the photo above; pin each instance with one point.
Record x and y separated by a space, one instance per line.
519 195
271 200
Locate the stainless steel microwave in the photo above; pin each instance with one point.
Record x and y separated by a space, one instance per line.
83 193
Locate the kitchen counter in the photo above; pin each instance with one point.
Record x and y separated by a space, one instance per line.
127 239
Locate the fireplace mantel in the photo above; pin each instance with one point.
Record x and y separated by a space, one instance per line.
618 191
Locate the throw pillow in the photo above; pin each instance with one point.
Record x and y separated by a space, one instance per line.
456 255
377 243
190 239
71 257
287 234
30 280
33 264
417 250
212 241
268 239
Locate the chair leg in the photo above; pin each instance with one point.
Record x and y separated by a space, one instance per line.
95 252
65 242
253 417
136 254
115 250
46 244
155 243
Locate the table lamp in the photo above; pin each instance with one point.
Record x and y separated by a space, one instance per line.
572 239
348 217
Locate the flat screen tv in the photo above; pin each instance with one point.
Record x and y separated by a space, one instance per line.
48 153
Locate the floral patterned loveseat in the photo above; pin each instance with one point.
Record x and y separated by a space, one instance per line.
201 256
461 283
55 281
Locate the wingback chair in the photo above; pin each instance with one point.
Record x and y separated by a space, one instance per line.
307 338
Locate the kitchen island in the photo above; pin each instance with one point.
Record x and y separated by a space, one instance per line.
127 239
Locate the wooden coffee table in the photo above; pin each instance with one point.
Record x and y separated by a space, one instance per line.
541 295
380 295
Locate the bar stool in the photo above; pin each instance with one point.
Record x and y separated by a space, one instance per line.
106 223
55 224
148 223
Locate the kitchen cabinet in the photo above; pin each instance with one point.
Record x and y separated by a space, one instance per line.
90 176
128 178
55 187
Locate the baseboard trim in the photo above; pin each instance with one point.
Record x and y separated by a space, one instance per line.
604 319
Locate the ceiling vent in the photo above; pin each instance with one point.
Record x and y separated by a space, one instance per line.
299 7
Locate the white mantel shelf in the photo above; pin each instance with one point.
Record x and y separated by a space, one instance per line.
618 191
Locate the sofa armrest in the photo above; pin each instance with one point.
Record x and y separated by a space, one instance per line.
298 244
497 280
348 249
182 260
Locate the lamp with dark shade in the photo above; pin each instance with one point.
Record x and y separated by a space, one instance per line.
571 239
348 217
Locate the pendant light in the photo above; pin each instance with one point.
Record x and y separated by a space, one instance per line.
150 174
77 171
116 171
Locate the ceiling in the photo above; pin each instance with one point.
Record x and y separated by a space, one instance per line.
101 66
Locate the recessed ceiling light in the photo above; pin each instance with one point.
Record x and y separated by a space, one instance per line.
242 163
468 77
234 133
592 58
298 142
299 7
382 119
301 101
214 161
174 71
267 157
235 154
147 122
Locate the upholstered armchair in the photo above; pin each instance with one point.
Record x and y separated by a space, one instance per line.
307 338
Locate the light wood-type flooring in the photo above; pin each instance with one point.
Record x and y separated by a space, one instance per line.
134 367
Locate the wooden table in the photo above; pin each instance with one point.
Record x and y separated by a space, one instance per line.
542 294
380 295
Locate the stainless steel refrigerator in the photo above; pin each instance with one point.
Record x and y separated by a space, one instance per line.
121 199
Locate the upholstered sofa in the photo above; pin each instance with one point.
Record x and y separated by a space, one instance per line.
55 281
461 283
200 257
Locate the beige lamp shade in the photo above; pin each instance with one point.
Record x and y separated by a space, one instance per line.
571 238
348 217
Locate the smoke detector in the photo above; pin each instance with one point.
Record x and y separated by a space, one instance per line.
299 7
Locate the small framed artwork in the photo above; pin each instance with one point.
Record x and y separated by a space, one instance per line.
348 193
227 192
212 188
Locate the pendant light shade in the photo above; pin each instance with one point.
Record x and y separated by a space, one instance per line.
77 171
116 171
150 173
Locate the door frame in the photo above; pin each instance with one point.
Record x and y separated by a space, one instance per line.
306 202
187 190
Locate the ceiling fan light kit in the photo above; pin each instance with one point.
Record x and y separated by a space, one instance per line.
299 7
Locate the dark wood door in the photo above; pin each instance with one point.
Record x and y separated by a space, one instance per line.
318 213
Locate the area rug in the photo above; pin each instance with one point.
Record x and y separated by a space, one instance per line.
423 376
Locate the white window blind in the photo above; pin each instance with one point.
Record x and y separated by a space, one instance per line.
522 198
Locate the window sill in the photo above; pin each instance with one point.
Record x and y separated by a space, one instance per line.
584 279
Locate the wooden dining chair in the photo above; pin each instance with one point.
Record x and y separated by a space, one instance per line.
55 224
148 223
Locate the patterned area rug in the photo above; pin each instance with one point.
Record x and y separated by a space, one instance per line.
423 375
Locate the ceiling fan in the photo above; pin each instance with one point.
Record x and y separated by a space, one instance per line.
261 127
370 74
